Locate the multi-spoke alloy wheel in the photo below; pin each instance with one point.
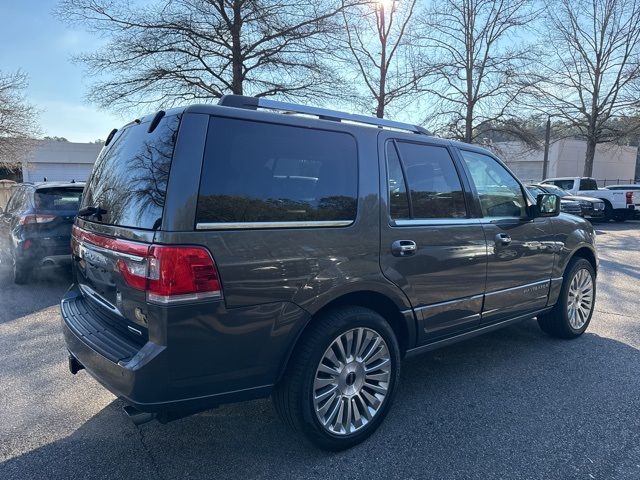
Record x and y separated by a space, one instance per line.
341 379
580 298
570 316
351 381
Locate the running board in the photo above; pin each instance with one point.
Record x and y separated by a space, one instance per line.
474 333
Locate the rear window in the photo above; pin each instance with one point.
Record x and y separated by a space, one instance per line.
261 172
588 184
129 179
59 199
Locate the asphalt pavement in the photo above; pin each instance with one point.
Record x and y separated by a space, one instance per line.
513 404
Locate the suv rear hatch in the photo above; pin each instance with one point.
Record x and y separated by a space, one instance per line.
55 208
117 266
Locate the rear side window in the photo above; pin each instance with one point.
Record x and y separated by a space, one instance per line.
260 172
588 184
18 201
563 184
129 179
58 199
432 180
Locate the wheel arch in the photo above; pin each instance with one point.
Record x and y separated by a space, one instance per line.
586 253
403 322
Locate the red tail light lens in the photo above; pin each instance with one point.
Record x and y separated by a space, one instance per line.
629 198
181 273
167 273
29 219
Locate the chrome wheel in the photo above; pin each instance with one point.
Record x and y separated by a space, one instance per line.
580 299
352 381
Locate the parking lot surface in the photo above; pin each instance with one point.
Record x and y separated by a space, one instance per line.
513 404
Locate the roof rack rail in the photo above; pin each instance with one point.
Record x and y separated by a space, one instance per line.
253 103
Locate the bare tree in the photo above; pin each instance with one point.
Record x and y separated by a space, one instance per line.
481 65
593 75
184 50
378 54
18 120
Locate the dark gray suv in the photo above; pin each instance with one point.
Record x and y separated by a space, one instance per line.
254 248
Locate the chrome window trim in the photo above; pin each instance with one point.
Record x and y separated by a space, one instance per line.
267 225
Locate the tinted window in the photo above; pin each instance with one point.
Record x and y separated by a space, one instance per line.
66 199
535 191
500 193
129 179
260 172
18 201
555 190
563 184
435 188
588 184
398 201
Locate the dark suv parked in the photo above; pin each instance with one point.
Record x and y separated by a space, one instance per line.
35 227
227 252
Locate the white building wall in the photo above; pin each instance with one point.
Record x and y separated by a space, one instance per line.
63 161
566 159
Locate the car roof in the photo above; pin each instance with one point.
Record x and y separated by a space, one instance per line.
309 121
56 184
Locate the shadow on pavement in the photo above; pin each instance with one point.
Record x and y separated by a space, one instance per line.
511 404
44 289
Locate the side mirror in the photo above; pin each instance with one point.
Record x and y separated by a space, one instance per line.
547 205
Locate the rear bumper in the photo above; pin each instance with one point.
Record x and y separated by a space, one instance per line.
156 378
38 250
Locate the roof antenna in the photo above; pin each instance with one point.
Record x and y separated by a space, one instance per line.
45 179
73 180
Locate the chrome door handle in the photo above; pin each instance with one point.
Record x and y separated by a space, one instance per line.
503 239
403 248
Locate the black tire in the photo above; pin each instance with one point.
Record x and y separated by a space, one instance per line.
557 322
20 271
608 212
620 215
294 395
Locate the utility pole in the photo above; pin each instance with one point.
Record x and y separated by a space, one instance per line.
547 139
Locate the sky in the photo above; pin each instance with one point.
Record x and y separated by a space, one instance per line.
36 42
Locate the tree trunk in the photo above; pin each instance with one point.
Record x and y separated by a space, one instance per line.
236 50
591 153
468 124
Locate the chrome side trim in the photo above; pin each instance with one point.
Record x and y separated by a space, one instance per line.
473 333
520 287
264 225
449 302
434 222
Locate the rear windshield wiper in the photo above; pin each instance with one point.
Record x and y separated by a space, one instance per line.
91 211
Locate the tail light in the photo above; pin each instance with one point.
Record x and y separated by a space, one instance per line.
629 198
29 219
168 274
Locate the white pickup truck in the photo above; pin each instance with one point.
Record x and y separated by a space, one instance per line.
619 205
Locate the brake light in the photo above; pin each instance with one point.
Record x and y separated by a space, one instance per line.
181 273
30 219
168 274
629 198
